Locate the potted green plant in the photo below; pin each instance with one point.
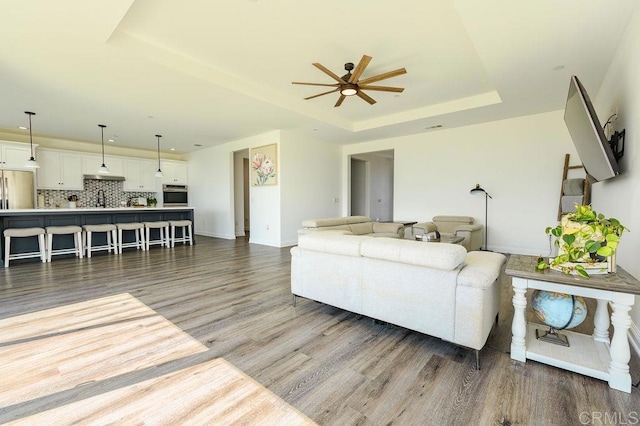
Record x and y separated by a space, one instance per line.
151 201
586 240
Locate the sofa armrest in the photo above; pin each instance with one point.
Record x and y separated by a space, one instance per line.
481 269
425 227
388 227
472 234
469 228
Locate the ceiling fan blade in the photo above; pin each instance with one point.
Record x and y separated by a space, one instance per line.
340 100
321 94
315 84
383 88
357 72
328 72
379 77
366 97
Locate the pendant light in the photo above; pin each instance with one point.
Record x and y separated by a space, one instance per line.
103 170
159 172
31 162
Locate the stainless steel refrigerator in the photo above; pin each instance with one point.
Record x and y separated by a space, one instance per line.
17 190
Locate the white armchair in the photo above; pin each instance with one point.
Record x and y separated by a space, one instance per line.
459 226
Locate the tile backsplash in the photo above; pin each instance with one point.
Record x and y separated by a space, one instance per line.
113 194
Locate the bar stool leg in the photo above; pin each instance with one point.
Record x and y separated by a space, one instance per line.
43 252
7 250
89 244
120 239
49 246
77 240
173 236
168 239
140 237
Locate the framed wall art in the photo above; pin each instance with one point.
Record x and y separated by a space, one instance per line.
264 165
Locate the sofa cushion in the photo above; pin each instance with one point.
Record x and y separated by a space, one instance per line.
361 228
433 255
358 219
319 223
330 242
384 235
458 219
481 269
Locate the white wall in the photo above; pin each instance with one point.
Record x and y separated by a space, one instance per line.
311 180
211 193
518 161
620 197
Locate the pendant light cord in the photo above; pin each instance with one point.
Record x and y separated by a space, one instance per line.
102 126
29 113
158 136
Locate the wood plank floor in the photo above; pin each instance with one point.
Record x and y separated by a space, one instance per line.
336 367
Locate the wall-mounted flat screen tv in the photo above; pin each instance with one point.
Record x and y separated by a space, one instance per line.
588 135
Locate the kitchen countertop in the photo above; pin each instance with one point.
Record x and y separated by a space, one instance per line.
90 209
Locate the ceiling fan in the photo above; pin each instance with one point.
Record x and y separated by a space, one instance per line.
350 83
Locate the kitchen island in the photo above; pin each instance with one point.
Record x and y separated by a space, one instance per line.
27 218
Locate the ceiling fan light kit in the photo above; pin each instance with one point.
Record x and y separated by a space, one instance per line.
349 89
350 83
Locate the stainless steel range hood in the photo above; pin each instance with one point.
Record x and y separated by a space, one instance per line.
103 177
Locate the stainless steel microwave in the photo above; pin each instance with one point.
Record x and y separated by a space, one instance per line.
175 195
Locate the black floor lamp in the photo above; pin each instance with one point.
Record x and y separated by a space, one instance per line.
479 190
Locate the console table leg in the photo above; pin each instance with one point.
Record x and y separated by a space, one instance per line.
519 324
619 377
601 322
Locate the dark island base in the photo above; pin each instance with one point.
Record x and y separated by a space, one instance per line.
44 218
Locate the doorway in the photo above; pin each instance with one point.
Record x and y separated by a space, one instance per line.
241 200
371 185
359 187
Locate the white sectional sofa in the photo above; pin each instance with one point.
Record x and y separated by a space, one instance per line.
356 225
434 288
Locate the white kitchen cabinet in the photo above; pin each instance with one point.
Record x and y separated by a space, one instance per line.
91 163
174 172
14 155
59 170
140 175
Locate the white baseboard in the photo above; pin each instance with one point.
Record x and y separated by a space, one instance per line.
216 235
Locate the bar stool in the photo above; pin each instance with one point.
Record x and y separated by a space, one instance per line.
22 233
186 232
138 230
112 237
163 227
64 230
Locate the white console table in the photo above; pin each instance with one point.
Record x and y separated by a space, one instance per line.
596 355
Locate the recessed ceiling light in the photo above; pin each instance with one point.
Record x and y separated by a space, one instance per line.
558 68
22 128
196 144
435 126
172 149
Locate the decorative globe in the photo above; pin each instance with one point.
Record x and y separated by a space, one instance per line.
554 309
